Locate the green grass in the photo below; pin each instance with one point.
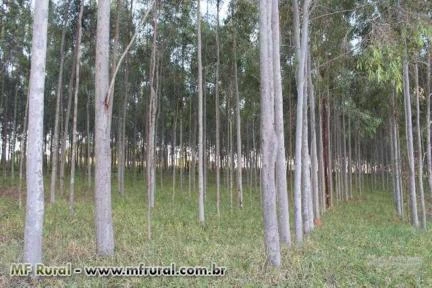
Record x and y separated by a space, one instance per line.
360 244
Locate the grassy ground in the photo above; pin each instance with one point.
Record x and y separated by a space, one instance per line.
360 244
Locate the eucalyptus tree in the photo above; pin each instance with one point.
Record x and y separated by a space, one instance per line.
419 149
217 112
281 165
75 115
301 35
152 106
428 118
268 137
33 233
103 109
57 111
200 122
410 141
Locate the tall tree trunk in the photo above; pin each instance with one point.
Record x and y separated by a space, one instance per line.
13 137
321 166
238 132
410 142
268 139
281 169
103 109
396 162
419 151
174 145
326 151
120 145
151 131
33 232
89 156
314 157
306 170
428 119
57 114
200 124
349 160
204 120
217 111
344 157
231 155
75 115
181 160
301 50
66 120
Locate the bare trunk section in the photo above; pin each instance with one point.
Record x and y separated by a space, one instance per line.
301 52
349 160
428 119
200 124
13 137
238 132
217 152
115 55
33 232
75 115
57 114
314 156
89 158
306 170
174 145
103 210
66 121
396 160
268 139
281 168
151 128
321 166
22 154
344 157
410 142
419 151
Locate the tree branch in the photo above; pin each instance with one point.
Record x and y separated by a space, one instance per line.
110 95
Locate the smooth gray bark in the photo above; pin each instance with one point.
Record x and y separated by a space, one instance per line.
281 168
57 114
410 142
306 171
268 139
301 49
33 231
238 132
419 151
428 119
151 129
396 160
88 140
217 152
66 122
314 156
174 158
75 115
103 210
349 160
321 167
200 124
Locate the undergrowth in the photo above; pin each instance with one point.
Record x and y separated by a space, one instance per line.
361 243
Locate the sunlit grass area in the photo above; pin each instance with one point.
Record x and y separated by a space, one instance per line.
361 243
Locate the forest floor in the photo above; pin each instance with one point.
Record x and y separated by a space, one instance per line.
361 243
